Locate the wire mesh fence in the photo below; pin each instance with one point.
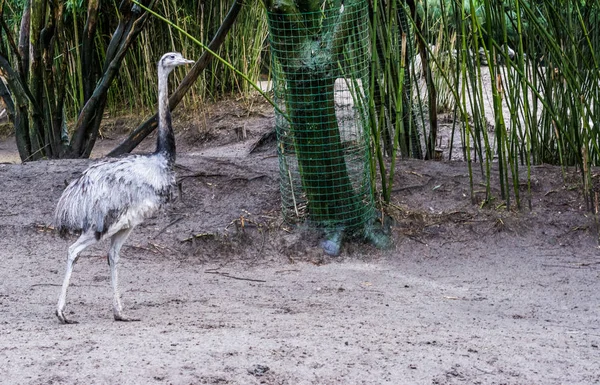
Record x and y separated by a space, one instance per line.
320 66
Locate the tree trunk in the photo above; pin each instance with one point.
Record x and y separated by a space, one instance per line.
316 136
20 102
23 50
36 80
88 66
54 80
131 23
309 49
37 86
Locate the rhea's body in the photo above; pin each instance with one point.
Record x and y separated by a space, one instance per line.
91 203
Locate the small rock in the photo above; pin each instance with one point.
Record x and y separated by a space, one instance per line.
258 370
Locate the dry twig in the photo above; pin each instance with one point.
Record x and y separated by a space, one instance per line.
234 277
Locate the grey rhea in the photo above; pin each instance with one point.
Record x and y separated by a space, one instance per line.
113 196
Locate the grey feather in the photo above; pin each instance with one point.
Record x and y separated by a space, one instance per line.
129 189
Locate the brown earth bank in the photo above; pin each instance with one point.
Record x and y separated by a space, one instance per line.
228 293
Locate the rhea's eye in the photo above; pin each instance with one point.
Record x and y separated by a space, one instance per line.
172 57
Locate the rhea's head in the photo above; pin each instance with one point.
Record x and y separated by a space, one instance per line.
171 60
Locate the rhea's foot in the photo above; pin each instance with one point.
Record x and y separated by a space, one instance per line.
63 319
333 242
122 318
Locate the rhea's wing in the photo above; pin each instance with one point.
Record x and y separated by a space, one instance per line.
112 188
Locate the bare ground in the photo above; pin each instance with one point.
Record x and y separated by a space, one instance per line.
229 294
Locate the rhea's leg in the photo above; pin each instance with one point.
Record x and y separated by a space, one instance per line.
83 242
113 259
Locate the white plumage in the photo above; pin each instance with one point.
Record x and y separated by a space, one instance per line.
113 196
128 190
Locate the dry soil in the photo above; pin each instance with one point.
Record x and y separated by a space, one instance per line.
227 293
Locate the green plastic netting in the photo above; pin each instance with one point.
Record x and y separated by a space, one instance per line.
320 66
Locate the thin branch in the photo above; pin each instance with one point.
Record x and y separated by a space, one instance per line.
19 90
226 275
86 132
24 38
87 51
12 44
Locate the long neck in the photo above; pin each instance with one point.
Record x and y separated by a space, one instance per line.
165 142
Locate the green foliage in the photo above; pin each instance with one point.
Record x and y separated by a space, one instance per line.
242 48
543 100
135 87
393 126
543 104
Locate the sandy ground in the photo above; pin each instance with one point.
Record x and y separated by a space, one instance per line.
467 294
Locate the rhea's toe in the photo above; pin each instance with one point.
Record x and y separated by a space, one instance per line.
63 319
122 318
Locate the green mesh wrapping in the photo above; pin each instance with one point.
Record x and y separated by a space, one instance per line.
320 66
